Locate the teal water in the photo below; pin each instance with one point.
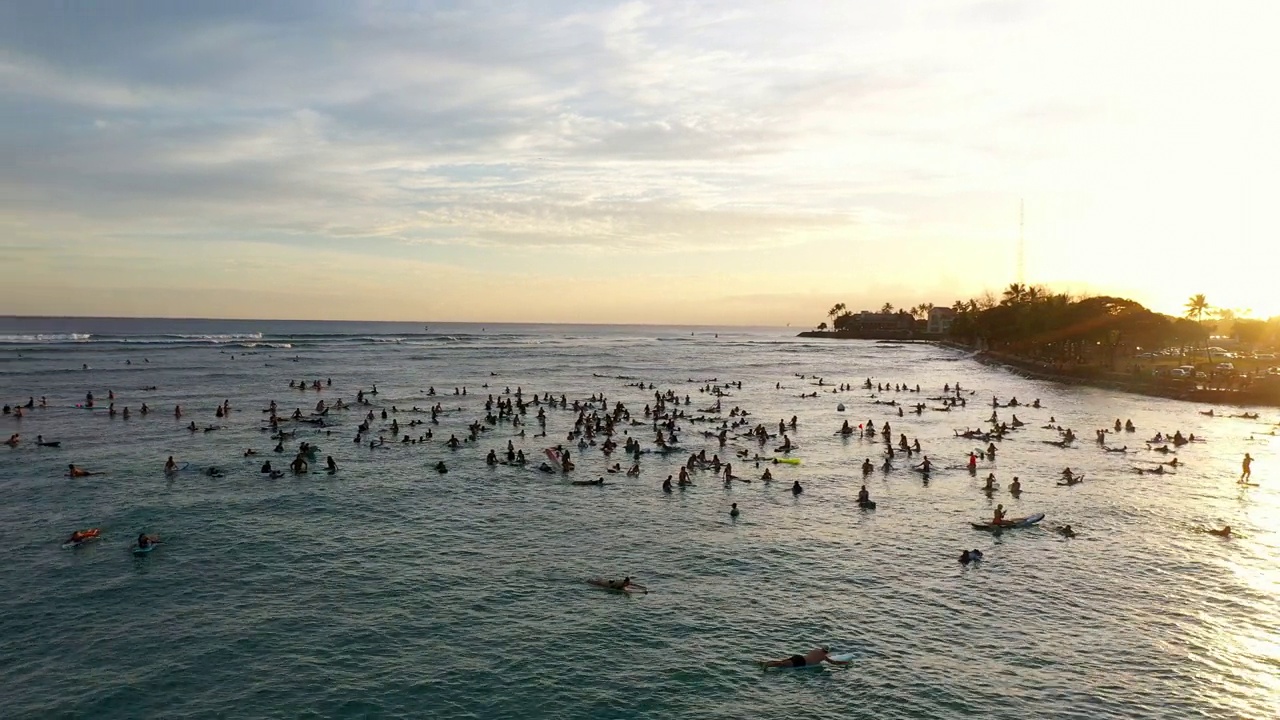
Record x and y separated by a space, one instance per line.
391 591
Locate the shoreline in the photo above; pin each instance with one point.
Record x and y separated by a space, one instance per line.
1092 377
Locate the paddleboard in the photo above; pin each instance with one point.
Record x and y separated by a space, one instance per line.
144 550
1249 484
789 461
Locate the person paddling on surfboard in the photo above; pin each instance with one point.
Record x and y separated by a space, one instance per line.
624 584
815 656
997 517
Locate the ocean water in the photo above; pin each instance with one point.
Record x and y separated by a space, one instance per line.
389 590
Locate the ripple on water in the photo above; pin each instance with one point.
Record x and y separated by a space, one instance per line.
391 591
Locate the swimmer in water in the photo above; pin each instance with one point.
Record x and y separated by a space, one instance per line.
75 472
733 512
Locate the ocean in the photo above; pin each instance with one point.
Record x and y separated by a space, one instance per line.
388 590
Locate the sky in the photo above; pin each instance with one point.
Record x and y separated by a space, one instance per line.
747 162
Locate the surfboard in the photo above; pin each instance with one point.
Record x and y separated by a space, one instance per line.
1013 523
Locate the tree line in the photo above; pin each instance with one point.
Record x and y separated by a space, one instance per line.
1031 321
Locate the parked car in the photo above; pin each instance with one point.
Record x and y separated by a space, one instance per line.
1179 373
1224 367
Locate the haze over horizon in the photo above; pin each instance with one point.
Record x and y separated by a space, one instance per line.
644 162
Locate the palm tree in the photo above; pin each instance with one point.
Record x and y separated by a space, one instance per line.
886 308
1197 306
835 310
1015 293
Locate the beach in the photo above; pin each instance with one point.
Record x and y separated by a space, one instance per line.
390 590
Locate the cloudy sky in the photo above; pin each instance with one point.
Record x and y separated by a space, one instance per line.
746 162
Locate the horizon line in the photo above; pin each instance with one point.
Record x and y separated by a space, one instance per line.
402 322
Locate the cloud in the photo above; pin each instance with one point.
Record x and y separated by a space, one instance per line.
644 129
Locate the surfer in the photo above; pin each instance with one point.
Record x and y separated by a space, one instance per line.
1246 467
1224 532
969 556
170 466
864 497
997 517
623 584
796 489
733 511
1015 487
79 536
815 656
75 472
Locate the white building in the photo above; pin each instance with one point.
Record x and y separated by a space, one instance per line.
940 320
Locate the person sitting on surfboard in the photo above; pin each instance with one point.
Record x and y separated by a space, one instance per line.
815 656
997 518
864 497
1015 487
144 541
170 466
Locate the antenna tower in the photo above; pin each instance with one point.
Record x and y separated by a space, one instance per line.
1022 243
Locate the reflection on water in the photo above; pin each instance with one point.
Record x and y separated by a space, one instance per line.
389 588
